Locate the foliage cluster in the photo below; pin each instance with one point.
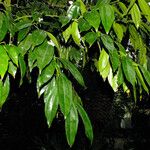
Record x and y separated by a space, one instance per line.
59 37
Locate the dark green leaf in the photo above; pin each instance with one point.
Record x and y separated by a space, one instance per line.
71 125
51 100
91 37
23 24
120 76
74 71
84 25
22 34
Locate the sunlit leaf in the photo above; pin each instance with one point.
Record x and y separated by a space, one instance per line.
12 69
67 33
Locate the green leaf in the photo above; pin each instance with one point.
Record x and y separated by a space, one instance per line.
26 44
91 37
13 54
75 33
22 34
145 9
38 36
12 69
146 74
74 71
129 70
54 40
3 26
93 18
136 15
64 93
139 75
23 24
107 16
4 91
3 61
51 100
86 122
46 74
82 7
71 125
67 33
108 42
123 7
44 55
120 76
102 2
83 25
22 66
118 30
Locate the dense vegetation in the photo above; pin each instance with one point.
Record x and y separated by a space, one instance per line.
56 41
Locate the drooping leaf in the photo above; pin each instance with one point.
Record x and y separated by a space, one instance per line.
82 6
46 74
44 55
22 66
64 93
67 33
51 100
4 90
86 122
129 70
90 37
75 33
120 76
136 15
83 25
93 18
22 34
12 69
71 125
107 16
145 8
3 61
74 71
38 36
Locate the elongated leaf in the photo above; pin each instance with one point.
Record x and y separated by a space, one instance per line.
82 6
145 9
22 34
44 55
139 75
146 74
23 24
129 70
75 33
3 61
46 74
71 125
65 94
102 2
12 69
38 36
108 42
136 15
120 76
51 100
118 30
107 16
91 37
67 33
3 26
4 91
13 54
86 122
74 71
123 7
22 66
93 18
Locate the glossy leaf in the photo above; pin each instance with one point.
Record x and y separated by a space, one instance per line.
145 8
90 37
65 94
3 61
74 71
71 125
38 36
3 26
22 34
51 100
93 18
129 70
22 66
75 33
83 25
82 6
32 59
12 69
86 122
4 90
108 42
44 55
136 15
23 24
107 16
46 74
67 33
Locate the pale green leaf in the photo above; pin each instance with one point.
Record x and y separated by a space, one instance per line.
67 33
12 69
